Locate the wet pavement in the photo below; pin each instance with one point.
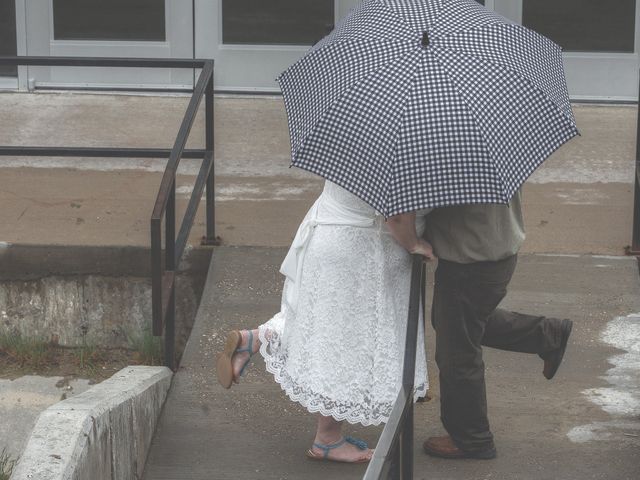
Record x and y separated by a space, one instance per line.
583 424
578 212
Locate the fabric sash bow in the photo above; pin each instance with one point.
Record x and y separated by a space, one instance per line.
325 211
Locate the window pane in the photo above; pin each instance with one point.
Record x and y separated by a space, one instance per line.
276 22
584 25
108 20
8 43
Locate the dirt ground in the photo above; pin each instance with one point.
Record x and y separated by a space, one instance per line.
55 361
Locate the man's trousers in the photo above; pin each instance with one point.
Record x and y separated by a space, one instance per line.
465 317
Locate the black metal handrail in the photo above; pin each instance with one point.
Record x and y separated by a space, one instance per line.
393 456
96 152
163 270
163 274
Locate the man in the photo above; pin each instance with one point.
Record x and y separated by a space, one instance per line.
477 247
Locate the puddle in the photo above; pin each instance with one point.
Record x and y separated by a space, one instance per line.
621 399
253 192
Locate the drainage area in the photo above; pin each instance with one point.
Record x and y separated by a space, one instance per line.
91 297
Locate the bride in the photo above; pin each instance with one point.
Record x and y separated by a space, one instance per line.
337 344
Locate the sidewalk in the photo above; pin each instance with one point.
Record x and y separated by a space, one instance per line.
544 429
580 201
578 212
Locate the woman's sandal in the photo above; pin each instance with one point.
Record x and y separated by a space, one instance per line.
361 444
224 365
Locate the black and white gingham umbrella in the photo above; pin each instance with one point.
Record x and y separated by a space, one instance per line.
412 104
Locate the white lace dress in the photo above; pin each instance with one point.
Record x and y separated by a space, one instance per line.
337 344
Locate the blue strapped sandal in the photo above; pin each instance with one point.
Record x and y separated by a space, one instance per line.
326 449
224 366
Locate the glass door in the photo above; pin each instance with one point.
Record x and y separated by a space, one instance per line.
8 42
114 28
599 39
252 41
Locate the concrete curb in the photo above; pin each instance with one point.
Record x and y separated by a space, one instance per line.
103 433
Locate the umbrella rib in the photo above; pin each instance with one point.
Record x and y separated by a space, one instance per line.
476 28
472 116
400 123
314 52
462 98
516 74
310 128
501 66
347 91
399 17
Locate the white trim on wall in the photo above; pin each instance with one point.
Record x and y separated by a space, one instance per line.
21 37
252 68
38 33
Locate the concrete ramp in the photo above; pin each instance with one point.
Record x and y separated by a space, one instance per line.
559 429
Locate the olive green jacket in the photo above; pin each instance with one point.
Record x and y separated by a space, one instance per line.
476 233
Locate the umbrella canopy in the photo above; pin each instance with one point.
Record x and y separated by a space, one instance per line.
412 104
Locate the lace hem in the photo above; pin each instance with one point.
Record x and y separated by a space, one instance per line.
367 415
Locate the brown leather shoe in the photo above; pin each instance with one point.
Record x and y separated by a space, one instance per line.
553 359
443 447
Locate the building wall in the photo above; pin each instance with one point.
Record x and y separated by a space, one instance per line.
253 40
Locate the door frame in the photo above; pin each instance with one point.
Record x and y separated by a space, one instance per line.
593 76
35 38
19 81
246 68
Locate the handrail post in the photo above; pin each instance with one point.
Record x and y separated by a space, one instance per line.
634 249
408 381
156 276
395 470
170 333
210 213
406 444
170 262
393 456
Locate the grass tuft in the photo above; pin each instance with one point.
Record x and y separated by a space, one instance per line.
147 348
6 465
31 352
87 357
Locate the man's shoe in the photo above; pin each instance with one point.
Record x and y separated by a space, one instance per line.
552 360
443 447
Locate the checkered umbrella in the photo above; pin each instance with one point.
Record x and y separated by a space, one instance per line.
412 104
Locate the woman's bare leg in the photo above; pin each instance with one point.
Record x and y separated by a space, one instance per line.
240 359
329 432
